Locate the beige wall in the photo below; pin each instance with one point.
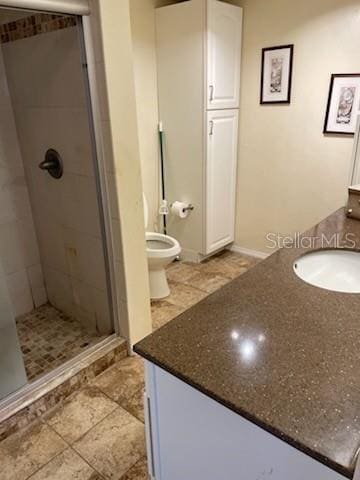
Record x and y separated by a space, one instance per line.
123 170
143 41
142 14
290 175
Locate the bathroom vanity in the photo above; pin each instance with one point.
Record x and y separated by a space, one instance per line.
261 379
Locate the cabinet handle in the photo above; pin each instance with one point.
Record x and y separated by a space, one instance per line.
211 127
211 96
150 433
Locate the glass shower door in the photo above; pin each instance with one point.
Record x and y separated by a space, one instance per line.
53 245
12 371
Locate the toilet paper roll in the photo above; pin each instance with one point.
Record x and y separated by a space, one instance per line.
180 209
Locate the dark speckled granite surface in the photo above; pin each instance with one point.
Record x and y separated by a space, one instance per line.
280 352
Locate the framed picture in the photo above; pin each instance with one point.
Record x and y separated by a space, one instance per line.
343 105
276 73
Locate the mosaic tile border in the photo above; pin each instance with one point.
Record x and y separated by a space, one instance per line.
39 406
34 25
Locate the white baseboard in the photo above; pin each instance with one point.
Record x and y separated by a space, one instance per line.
247 251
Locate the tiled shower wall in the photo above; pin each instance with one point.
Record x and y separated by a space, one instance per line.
46 84
19 252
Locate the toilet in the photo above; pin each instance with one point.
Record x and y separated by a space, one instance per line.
161 250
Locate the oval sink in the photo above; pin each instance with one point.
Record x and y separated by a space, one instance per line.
336 270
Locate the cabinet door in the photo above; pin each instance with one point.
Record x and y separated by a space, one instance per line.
224 23
221 160
196 438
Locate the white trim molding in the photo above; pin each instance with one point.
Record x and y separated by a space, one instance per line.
71 7
247 251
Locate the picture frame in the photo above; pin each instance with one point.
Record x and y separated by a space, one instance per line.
276 74
343 105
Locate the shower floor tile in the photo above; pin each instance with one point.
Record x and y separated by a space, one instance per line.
48 338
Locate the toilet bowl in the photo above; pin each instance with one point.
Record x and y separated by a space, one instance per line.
161 250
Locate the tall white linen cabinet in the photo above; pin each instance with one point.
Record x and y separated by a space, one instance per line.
198 64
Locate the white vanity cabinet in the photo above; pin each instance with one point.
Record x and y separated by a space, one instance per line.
192 437
198 66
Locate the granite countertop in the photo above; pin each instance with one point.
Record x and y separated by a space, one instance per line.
280 352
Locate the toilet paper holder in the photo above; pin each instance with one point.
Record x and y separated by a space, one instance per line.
189 207
181 209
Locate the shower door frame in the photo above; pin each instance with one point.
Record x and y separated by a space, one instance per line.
31 391
93 104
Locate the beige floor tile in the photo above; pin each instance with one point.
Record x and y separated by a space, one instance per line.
244 260
137 472
162 312
207 282
122 381
66 466
183 295
80 413
224 267
181 271
26 451
135 405
114 445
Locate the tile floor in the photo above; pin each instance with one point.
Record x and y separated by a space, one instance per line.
98 433
48 338
190 283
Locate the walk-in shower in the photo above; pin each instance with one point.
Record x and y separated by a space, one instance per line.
54 287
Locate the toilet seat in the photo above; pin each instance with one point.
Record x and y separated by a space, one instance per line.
168 246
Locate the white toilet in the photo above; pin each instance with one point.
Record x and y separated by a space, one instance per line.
161 250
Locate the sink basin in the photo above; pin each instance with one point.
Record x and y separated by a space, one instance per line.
336 270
